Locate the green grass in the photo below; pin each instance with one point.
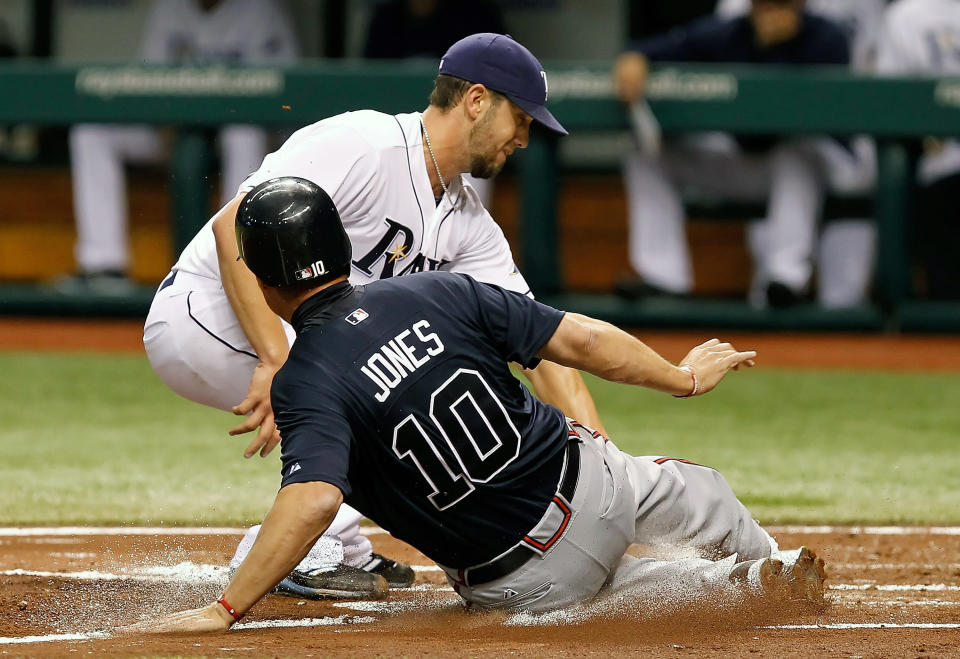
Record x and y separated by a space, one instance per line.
98 439
810 446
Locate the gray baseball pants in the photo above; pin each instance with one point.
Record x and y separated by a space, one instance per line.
620 500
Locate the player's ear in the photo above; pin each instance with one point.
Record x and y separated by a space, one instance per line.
475 99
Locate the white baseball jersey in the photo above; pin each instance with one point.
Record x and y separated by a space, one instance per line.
235 31
373 167
860 20
923 37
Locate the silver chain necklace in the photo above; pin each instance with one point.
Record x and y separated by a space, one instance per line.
433 156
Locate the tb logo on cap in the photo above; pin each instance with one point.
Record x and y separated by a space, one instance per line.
546 87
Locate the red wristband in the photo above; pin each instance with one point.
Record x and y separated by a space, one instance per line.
696 383
232 611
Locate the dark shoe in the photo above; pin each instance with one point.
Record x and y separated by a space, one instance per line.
631 287
397 574
340 582
781 296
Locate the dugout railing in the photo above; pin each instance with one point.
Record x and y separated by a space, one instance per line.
744 100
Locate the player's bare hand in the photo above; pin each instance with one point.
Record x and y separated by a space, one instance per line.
712 360
210 618
264 446
630 76
259 413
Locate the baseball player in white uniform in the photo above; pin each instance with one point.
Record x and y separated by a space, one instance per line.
785 171
177 32
923 37
846 247
396 182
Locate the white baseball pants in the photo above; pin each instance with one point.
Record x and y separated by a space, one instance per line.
196 346
790 177
98 153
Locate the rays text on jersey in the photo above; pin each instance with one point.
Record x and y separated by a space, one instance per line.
393 249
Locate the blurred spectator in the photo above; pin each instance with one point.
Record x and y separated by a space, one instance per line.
177 32
784 170
923 37
847 246
401 29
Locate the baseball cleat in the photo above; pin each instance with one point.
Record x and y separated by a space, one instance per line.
340 582
798 575
397 574
806 576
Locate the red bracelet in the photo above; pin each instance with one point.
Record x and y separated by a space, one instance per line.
232 611
696 382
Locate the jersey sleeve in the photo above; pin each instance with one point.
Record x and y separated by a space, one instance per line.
517 325
485 255
315 433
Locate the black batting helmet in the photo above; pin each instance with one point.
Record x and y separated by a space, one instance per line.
289 231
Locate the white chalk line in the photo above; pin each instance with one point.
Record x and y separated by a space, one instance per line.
425 568
345 619
6 640
929 588
182 572
871 625
185 572
357 620
25 531
895 566
865 530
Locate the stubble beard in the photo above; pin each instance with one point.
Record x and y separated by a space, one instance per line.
483 164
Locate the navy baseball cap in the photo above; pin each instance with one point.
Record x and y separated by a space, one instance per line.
498 62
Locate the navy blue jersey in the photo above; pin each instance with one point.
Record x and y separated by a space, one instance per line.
399 394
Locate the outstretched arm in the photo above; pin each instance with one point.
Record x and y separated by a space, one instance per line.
612 354
262 328
565 389
300 514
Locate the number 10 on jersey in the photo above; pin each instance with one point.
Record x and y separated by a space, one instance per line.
477 431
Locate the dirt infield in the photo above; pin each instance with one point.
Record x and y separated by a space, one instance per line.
891 594
888 352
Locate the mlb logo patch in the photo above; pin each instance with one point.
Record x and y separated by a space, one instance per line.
357 317
306 273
